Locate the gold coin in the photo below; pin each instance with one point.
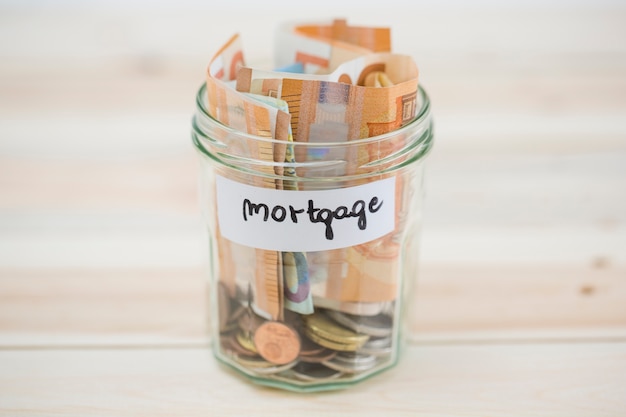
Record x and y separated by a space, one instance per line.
325 328
330 344
277 343
246 342
229 345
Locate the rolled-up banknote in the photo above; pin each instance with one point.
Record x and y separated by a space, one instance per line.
261 118
293 266
237 110
395 68
340 106
322 47
352 88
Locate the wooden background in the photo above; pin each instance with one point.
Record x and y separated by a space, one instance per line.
521 298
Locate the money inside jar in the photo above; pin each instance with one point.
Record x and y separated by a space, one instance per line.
312 194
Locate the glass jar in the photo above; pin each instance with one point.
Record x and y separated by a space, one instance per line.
312 259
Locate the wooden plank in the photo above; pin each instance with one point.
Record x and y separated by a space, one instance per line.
569 380
160 184
587 184
541 208
535 240
467 30
102 306
115 91
509 298
167 306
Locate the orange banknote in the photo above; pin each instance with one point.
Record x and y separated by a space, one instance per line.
323 47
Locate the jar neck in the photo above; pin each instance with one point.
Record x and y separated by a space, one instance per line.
364 157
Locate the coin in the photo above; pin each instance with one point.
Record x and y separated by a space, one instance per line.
318 356
274 369
277 343
380 325
377 346
351 364
246 341
255 361
314 372
331 344
320 325
309 347
354 358
311 352
365 309
229 344
263 367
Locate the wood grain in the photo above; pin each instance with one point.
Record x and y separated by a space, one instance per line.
579 379
166 306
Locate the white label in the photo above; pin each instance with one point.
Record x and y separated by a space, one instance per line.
303 221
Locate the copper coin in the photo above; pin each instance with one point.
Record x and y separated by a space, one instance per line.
277 343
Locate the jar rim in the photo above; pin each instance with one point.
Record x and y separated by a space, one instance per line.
421 118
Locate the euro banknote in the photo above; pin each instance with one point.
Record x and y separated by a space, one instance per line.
351 87
322 47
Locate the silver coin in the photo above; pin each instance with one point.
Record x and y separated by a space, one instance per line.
346 368
260 366
350 365
274 369
377 347
380 325
353 358
361 309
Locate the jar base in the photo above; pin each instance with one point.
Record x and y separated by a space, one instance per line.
290 379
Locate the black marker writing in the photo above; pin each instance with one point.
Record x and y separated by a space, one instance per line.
278 213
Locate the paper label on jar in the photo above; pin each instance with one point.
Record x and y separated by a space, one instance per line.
305 221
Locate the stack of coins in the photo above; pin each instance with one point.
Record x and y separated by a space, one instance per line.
327 345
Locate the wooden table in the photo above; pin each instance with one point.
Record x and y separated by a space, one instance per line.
521 299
